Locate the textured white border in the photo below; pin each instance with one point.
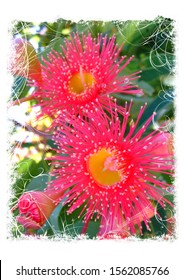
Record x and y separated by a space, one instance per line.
91 254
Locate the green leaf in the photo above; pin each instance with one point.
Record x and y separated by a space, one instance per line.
54 44
70 224
38 183
156 65
26 171
51 227
147 89
93 229
161 105
54 218
46 229
19 88
140 35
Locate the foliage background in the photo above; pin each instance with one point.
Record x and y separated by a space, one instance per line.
152 44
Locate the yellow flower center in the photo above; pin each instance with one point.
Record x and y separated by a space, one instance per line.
103 167
81 81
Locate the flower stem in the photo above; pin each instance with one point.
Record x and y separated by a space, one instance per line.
34 130
19 101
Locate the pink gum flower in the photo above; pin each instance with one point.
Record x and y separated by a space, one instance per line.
35 207
110 168
165 144
83 74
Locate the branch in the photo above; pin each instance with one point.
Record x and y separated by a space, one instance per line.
34 130
19 101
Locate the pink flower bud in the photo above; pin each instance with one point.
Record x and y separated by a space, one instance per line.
35 207
165 144
24 61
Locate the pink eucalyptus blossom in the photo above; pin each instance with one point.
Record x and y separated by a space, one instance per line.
111 169
83 74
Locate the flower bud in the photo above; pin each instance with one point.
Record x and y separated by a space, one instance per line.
24 61
35 207
165 143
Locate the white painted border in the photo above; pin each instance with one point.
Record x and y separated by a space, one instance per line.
101 254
